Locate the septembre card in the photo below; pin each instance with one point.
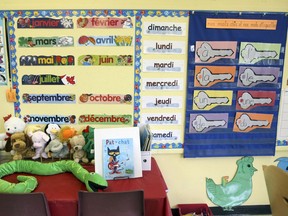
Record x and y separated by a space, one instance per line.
118 153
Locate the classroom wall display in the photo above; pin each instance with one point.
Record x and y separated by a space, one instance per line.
234 77
103 68
4 76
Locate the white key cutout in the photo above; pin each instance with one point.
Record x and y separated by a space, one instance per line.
205 52
245 121
202 100
246 100
205 76
250 53
200 123
248 77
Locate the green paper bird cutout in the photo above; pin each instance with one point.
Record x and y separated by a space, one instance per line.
233 193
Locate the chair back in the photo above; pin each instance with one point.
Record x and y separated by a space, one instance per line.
126 203
24 204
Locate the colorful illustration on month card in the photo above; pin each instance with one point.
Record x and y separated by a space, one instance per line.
159 65
247 100
202 123
64 23
206 76
161 119
118 158
251 53
48 79
210 51
106 98
246 122
49 98
110 40
63 41
252 76
124 119
53 60
104 22
162 84
164 47
164 28
207 100
161 101
45 119
166 135
105 60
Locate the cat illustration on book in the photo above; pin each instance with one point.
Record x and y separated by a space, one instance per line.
113 162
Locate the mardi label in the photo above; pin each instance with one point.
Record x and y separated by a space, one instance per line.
45 119
161 119
54 60
202 123
162 84
166 135
164 28
64 41
106 98
48 79
45 23
105 60
164 47
48 98
162 102
246 122
158 65
112 40
105 119
109 22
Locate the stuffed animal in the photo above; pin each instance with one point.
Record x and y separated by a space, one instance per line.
52 130
56 149
11 126
88 134
39 139
66 133
77 142
22 146
31 128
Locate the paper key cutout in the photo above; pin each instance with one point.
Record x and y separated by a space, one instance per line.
206 76
250 53
245 122
248 77
202 100
206 52
246 100
200 123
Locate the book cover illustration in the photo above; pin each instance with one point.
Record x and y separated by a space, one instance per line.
118 161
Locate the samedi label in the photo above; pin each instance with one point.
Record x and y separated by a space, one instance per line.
164 28
48 79
49 98
159 119
64 41
106 98
45 23
54 60
112 40
105 60
165 135
164 47
161 101
105 119
162 84
44 119
106 22
163 65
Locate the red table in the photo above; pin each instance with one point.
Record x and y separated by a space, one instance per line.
61 190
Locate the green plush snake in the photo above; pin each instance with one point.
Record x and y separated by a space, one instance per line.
27 184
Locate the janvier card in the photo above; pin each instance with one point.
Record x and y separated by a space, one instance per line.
117 153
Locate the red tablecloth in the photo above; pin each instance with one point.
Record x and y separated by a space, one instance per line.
61 190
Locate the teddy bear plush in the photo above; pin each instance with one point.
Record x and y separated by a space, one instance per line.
21 144
11 125
39 139
77 142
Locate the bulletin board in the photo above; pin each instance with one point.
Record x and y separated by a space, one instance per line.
102 68
235 67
